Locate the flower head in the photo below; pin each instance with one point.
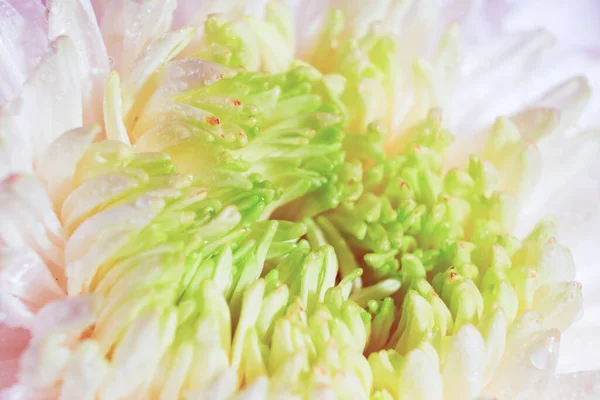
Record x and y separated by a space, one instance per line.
209 200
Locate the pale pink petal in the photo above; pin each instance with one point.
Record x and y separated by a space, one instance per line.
99 7
23 41
13 341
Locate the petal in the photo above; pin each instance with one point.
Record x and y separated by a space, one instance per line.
560 304
191 12
177 372
41 365
69 316
13 341
131 363
259 389
50 103
584 384
76 20
15 149
90 196
95 241
222 387
493 330
574 23
85 373
27 221
483 93
420 378
556 264
23 41
529 361
310 18
129 26
113 110
464 365
58 165
154 56
26 285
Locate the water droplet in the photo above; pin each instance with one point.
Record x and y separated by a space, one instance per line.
540 359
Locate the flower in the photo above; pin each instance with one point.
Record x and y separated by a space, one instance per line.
214 200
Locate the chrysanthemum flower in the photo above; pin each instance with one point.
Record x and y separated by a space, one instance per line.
221 200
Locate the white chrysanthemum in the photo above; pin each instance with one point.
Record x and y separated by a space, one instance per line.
218 200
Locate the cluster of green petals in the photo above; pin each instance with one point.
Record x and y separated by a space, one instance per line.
277 238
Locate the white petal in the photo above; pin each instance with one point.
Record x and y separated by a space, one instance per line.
221 388
483 94
99 237
448 61
566 189
84 374
27 220
583 385
51 100
493 330
556 264
26 284
417 20
192 12
358 17
128 26
530 359
153 57
69 316
582 336
76 20
250 310
58 165
20 392
464 365
569 98
560 304
91 195
574 23
259 389
132 364
177 372
113 110
42 364
15 148
420 378
50 105
311 16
